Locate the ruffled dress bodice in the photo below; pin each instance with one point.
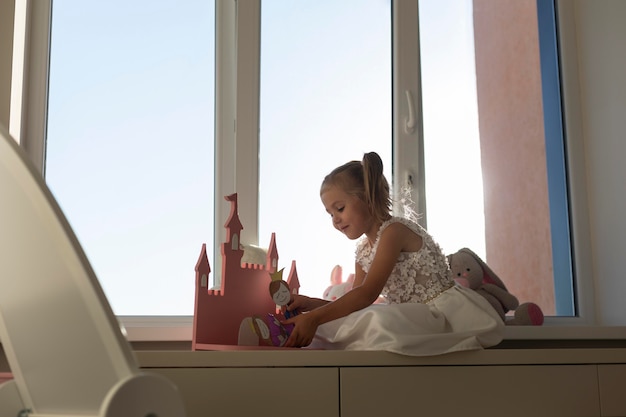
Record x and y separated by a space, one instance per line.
418 277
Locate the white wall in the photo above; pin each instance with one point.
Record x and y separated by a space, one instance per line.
601 50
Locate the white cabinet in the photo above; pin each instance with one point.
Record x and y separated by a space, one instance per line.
549 382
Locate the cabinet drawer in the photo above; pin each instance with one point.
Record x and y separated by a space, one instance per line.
256 391
612 382
484 391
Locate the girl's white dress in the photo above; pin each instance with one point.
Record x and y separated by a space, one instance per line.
426 314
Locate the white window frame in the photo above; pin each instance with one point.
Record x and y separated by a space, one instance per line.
237 127
28 116
584 292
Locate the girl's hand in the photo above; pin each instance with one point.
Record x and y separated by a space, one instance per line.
303 332
303 303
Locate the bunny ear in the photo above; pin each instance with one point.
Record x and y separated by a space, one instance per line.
335 275
350 278
493 278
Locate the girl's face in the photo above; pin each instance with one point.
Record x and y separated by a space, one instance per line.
349 213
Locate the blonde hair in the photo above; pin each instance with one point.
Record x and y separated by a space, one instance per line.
365 180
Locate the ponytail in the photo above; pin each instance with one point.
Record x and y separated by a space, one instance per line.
376 187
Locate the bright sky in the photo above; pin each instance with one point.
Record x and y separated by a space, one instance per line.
130 151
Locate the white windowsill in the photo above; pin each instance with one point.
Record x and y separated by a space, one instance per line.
564 332
146 329
152 329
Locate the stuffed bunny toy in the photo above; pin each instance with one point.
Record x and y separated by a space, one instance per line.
337 286
469 270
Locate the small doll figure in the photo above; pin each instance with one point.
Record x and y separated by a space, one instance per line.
281 293
270 331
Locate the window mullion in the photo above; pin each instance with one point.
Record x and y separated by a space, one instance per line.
408 154
237 116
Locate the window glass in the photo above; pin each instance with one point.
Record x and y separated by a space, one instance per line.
325 100
454 188
129 144
485 145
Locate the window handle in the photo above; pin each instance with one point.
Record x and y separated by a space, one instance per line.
409 122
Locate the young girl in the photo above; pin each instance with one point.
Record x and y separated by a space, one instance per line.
426 313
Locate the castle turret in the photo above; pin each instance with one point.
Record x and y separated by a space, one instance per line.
233 224
203 269
231 248
293 280
271 262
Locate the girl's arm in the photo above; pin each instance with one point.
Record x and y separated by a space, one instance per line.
304 303
359 275
366 290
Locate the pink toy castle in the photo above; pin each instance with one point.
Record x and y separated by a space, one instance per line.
244 290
